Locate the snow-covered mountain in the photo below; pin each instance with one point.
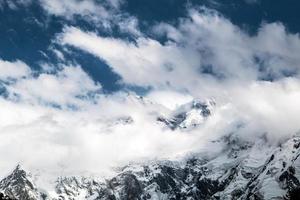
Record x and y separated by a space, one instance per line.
241 170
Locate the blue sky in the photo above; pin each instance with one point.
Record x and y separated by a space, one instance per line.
71 70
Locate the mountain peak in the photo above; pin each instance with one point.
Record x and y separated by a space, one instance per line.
18 185
189 115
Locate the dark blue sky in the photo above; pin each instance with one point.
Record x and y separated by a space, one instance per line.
26 33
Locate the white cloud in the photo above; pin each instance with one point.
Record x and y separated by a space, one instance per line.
169 99
129 25
270 108
93 136
145 63
232 52
106 14
73 7
205 54
238 62
48 138
65 88
90 10
174 70
17 69
51 139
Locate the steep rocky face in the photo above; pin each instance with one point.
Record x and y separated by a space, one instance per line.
242 171
18 185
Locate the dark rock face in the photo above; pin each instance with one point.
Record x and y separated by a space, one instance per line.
294 194
289 182
4 197
174 122
205 111
171 123
127 185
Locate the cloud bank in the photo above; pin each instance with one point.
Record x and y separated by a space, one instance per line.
53 120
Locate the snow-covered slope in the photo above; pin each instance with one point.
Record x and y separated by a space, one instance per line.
242 170
188 116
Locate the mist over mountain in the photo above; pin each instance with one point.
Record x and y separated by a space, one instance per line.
136 99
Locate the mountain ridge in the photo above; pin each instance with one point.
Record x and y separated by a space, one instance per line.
238 172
